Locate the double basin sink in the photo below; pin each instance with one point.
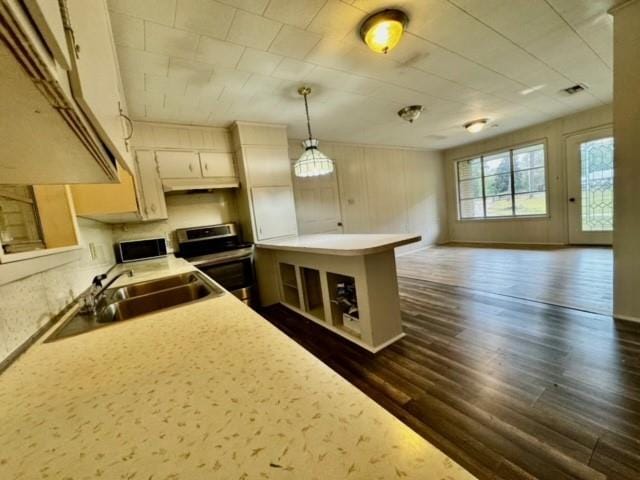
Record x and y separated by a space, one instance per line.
137 299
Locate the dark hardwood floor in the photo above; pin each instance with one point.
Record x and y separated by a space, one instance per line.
509 388
575 277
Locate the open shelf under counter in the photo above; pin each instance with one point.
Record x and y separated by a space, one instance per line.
308 283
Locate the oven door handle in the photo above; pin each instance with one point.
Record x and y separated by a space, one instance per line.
223 261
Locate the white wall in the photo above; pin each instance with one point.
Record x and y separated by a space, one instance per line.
626 130
29 303
184 210
388 190
551 230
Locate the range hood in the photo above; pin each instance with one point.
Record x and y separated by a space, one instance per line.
188 184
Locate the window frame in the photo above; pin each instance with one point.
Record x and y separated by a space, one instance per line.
507 149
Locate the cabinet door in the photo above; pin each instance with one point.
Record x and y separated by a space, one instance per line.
152 195
268 166
178 164
274 212
96 199
48 17
94 73
217 164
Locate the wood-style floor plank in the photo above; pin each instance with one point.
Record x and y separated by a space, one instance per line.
509 388
580 278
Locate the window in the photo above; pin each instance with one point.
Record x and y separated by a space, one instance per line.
504 184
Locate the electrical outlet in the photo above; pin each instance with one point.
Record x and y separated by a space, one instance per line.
92 250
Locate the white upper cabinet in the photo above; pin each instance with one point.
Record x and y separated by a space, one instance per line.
178 164
268 166
275 212
35 63
95 75
153 205
47 16
217 164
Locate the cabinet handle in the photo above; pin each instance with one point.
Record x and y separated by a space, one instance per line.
191 167
128 137
153 208
206 166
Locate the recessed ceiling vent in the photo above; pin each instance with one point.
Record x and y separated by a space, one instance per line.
580 87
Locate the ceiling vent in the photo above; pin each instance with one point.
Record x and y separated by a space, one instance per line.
580 87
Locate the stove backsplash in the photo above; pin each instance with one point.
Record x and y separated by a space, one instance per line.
184 210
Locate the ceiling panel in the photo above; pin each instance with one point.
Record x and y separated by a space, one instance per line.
205 17
294 42
215 61
298 13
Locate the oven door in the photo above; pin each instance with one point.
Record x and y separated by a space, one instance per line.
236 275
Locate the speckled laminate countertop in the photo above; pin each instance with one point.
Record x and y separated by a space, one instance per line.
209 390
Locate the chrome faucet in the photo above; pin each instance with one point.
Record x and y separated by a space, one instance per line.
95 292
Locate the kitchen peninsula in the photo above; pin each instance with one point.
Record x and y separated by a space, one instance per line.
347 283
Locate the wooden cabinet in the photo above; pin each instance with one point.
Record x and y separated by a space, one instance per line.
103 202
153 206
174 164
68 148
95 75
268 166
56 215
274 212
217 164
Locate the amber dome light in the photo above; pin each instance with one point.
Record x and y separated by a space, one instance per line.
382 31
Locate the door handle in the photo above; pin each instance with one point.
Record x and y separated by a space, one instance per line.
572 200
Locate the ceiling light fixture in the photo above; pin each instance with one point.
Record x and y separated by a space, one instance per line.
382 30
312 162
476 125
410 113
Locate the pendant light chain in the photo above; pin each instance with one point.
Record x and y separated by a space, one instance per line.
306 109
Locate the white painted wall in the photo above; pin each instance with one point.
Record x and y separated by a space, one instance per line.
551 230
29 303
388 190
626 131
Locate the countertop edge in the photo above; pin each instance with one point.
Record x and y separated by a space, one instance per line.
343 252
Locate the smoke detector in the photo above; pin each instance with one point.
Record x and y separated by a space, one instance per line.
410 113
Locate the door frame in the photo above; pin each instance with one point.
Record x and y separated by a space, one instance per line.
575 235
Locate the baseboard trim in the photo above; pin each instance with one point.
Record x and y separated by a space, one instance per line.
627 318
521 244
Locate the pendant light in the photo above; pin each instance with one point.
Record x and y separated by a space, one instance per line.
312 162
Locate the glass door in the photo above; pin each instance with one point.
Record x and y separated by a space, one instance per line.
590 187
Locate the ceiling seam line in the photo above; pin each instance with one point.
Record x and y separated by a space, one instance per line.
510 41
577 34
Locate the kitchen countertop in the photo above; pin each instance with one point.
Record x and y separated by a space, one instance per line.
341 244
203 391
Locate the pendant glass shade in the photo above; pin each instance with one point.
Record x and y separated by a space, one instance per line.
312 162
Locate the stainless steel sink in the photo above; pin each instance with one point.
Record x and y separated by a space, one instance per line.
151 286
136 306
139 299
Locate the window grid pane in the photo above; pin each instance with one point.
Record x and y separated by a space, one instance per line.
505 184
